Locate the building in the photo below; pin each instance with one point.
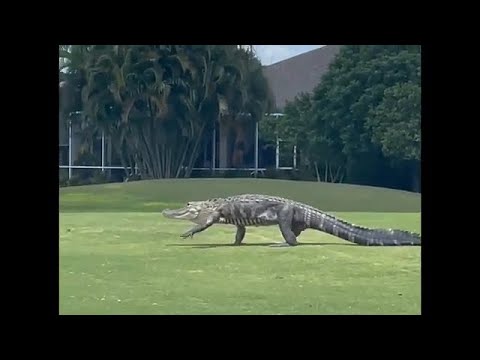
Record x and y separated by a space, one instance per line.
301 73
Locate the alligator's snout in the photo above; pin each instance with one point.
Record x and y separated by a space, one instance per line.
168 212
175 213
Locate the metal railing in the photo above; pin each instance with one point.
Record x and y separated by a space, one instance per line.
103 168
254 170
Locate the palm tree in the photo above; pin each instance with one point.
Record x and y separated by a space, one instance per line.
157 101
246 102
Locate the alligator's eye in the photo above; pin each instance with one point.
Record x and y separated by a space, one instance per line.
188 204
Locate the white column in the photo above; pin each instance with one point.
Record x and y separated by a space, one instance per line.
277 154
214 148
103 151
70 149
294 156
256 148
277 150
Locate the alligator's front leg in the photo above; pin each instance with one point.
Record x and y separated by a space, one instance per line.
212 219
193 231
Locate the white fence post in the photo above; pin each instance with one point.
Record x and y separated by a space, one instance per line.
70 149
256 148
214 148
103 151
277 154
294 156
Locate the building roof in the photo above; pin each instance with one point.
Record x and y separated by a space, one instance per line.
301 73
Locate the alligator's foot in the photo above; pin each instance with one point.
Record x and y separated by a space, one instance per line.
187 235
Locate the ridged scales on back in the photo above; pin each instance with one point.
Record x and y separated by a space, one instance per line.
291 216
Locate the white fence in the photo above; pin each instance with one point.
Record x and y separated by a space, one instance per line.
255 170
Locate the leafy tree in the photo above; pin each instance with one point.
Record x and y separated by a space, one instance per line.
395 127
357 83
395 122
316 149
363 120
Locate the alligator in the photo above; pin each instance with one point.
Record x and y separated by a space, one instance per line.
292 217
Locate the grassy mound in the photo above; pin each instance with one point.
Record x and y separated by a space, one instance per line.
155 195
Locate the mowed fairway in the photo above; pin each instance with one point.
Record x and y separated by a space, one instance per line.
118 255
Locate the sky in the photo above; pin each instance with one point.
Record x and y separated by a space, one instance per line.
270 54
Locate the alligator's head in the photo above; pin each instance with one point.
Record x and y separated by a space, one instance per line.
193 211
189 212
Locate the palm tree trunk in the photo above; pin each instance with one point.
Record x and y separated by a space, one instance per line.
238 155
182 159
223 146
118 148
195 152
146 154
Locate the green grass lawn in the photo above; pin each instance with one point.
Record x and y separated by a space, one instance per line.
118 255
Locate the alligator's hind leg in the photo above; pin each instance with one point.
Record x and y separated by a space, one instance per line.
285 219
240 235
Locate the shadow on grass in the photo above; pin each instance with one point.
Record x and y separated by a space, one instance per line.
208 246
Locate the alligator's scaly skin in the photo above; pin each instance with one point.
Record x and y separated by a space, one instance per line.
290 216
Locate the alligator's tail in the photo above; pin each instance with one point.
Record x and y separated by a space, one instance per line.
361 235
